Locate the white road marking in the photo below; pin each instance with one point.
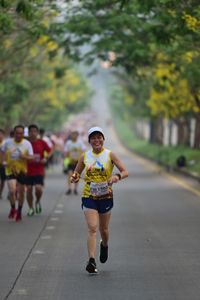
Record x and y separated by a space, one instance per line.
50 227
33 268
22 292
54 219
38 252
46 237
58 211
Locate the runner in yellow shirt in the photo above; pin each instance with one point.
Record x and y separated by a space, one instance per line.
97 196
73 150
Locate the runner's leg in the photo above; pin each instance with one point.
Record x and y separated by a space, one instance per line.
12 188
2 180
104 220
38 192
2 183
69 174
29 196
38 195
21 192
92 219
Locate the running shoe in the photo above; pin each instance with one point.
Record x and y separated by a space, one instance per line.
30 212
38 208
68 192
103 253
18 217
91 267
12 213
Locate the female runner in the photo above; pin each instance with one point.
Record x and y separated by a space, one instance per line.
97 195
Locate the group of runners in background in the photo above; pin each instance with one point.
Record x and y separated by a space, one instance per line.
24 156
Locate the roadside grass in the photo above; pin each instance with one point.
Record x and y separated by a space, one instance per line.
164 155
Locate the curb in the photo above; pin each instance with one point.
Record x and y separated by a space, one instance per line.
167 168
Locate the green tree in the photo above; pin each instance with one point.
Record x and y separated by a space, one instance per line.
144 35
37 82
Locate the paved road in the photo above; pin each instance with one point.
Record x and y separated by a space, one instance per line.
154 243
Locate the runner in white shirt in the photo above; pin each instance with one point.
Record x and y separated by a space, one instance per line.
16 151
73 149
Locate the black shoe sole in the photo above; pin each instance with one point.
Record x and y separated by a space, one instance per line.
91 269
68 193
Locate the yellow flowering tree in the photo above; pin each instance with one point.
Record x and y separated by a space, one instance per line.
171 96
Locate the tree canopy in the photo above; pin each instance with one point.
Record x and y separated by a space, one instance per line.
37 82
152 41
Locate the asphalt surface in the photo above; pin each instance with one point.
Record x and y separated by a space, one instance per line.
154 250
153 253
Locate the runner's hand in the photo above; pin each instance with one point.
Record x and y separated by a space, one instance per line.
75 177
23 156
14 170
4 163
43 161
113 179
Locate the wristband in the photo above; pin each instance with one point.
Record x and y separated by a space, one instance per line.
119 175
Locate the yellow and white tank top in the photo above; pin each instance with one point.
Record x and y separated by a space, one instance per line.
13 150
98 169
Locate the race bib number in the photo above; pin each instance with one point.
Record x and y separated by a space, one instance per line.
99 189
15 155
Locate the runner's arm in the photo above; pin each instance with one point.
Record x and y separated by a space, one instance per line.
3 155
28 155
123 173
2 158
78 170
49 151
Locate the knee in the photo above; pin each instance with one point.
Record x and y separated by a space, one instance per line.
21 192
38 189
103 230
12 192
92 230
29 189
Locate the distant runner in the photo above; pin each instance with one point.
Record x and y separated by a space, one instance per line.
73 150
2 168
36 170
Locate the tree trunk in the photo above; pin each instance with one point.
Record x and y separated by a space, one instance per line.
156 130
170 133
197 133
183 132
152 131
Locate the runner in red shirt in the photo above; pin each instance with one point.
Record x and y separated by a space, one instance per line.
36 170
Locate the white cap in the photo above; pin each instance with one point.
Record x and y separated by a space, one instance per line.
95 129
